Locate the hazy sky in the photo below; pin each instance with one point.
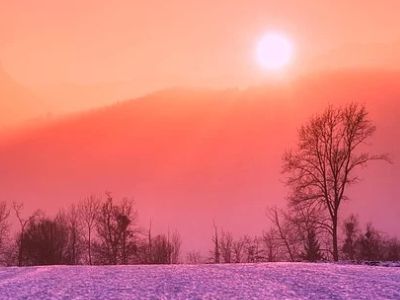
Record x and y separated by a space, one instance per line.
155 44
74 55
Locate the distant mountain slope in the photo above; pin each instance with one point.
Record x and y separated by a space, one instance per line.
189 157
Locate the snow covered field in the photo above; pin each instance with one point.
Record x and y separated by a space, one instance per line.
252 281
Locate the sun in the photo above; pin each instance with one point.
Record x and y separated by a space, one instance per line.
274 51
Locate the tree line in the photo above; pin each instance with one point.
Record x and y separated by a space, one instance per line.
105 232
96 231
318 171
289 240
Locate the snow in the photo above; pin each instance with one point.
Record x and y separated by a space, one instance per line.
240 281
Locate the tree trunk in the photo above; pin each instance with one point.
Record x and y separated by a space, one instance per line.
21 246
89 248
20 251
334 239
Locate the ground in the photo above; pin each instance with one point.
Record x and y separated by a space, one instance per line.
240 281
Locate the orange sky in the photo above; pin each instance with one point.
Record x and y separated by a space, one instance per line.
141 46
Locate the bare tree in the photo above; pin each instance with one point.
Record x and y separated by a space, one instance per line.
45 242
175 242
88 210
253 249
392 249
216 251
163 249
193 258
116 232
4 224
126 219
160 252
73 224
238 248
351 232
148 248
23 222
312 228
370 245
270 243
284 230
226 246
323 165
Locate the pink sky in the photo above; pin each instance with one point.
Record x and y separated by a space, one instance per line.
184 160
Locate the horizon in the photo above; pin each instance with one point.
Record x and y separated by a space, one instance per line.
54 114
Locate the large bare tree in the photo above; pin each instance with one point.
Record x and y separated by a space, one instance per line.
328 153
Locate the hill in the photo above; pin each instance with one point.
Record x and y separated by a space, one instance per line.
189 157
226 281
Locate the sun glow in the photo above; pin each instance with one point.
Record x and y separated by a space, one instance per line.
274 51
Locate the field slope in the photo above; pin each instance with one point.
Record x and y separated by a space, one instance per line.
252 281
